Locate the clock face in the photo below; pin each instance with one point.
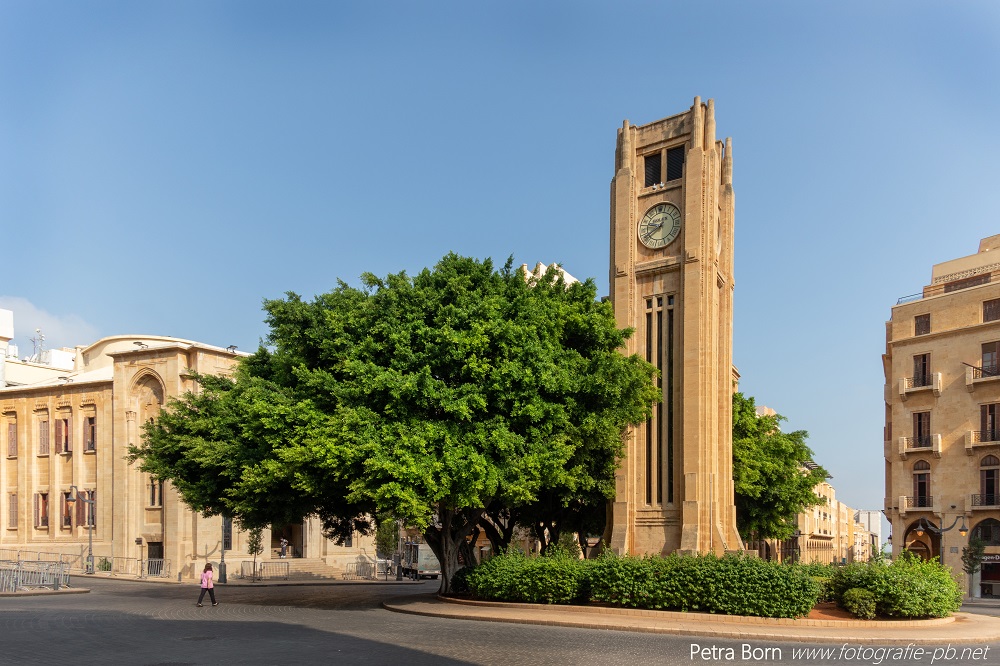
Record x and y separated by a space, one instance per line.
660 226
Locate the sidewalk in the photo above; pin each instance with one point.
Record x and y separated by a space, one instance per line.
960 628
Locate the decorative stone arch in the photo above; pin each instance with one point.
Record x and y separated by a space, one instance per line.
988 531
924 546
148 394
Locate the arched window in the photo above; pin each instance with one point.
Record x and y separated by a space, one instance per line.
988 531
989 482
922 484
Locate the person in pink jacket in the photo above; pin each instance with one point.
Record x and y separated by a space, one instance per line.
207 585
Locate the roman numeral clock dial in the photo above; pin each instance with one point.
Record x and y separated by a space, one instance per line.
660 226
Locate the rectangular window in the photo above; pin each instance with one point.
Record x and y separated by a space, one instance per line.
988 423
43 438
653 169
64 439
67 509
12 511
675 163
155 492
922 429
922 370
991 310
991 355
966 283
922 324
90 433
12 440
227 533
41 510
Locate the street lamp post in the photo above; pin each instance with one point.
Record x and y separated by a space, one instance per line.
222 558
74 496
923 525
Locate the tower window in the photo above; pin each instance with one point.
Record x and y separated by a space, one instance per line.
991 310
653 169
675 163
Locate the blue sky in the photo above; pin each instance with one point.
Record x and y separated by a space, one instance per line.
165 166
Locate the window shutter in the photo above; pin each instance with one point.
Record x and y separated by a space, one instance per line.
69 436
12 522
38 501
81 510
43 438
12 440
675 163
60 435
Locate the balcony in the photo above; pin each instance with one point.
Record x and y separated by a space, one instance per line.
916 503
987 501
976 375
975 439
927 382
922 444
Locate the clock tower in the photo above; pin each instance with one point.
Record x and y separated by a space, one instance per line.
672 281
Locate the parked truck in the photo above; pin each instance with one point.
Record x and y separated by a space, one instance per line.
419 561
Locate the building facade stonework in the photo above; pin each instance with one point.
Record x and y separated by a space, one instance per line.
67 429
671 275
942 397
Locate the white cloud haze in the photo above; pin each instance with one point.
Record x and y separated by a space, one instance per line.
60 330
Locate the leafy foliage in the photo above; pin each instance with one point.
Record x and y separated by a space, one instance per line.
972 555
731 584
860 602
909 587
771 484
427 398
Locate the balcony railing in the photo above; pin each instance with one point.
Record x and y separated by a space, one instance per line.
985 436
988 499
917 381
918 442
991 370
919 502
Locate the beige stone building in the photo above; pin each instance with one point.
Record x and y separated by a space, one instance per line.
66 428
942 396
671 274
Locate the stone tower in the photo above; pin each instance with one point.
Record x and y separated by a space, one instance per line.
672 281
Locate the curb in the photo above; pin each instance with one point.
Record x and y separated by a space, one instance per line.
961 628
42 592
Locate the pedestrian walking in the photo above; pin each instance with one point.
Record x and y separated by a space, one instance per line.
284 546
207 585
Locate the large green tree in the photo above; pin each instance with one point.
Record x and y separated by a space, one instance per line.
429 398
772 471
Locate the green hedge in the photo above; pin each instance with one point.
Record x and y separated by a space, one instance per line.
861 603
541 580
909 587
734 585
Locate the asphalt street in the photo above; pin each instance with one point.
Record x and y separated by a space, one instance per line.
127 622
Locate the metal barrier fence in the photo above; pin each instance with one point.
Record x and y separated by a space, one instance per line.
359 570
265 570
156 567
26 575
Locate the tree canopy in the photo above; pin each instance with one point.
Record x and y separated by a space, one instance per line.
772 480
429 398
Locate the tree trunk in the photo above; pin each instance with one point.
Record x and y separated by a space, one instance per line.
447 539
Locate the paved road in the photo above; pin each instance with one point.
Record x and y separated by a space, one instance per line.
124 622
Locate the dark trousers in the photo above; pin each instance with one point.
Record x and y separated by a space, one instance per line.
211 594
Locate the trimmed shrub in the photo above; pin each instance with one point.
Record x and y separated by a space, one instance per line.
860 603
460 581
553 579
734 585
909 587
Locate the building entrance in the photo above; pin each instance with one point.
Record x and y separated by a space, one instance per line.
293 534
